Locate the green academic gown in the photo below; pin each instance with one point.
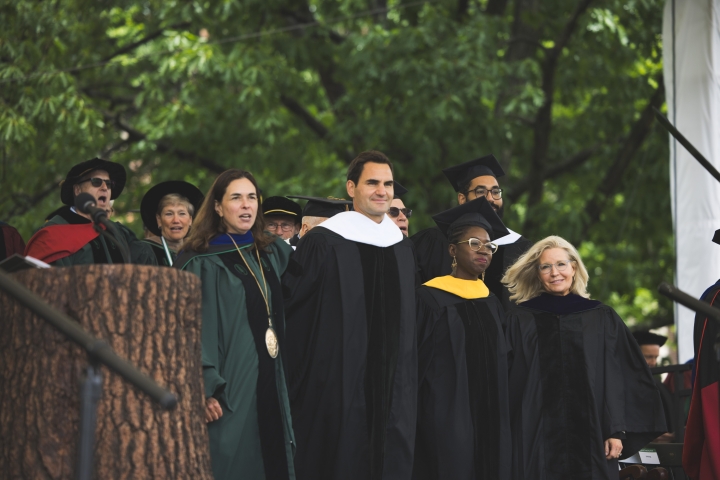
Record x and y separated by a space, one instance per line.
254 438
100 250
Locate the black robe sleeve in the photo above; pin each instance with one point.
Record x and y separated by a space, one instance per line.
633 405
431 251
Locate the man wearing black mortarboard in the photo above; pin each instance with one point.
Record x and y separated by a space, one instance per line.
398 212
282 217
69 238
650 344
471 180
318 209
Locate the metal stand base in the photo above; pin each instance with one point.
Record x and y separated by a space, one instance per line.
91 391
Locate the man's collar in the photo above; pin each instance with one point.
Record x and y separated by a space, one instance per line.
357 227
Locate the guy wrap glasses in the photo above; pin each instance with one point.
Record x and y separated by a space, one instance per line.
97 181
476 245
561 266
496 192
395 211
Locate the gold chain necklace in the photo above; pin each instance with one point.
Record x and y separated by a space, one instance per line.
271 341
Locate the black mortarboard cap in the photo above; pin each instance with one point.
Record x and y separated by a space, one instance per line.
398 190
115 171
151 200
646 337
324 207
460 175
716 237
281 206
476 212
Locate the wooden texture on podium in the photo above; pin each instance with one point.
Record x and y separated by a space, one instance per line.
149 315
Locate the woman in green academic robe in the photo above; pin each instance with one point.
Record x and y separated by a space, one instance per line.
247 408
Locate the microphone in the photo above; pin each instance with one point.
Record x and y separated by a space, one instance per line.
86 203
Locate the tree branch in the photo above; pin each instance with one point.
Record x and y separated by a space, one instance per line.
24 203
300 111
561 168
166 147
148 38
543 119
632 144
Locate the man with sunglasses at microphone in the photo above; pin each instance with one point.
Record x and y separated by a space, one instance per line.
69 238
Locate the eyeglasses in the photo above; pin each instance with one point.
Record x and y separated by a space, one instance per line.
285 227
97 181
546 268
395 211
482 192
476 245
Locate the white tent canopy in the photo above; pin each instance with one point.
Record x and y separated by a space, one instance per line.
691 59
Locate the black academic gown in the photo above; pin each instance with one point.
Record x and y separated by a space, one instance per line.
351 357
577 378
434 260
463 428
159 252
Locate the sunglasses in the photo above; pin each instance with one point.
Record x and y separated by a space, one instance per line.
96 182
395 211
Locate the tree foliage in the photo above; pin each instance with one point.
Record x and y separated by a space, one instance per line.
559 90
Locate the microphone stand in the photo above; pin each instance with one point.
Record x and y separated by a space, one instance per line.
111 238
99 353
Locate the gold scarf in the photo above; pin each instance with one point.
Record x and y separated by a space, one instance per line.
467 289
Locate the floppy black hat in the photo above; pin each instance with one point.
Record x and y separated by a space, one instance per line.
324 207
476 212
151 200
115 171
460 175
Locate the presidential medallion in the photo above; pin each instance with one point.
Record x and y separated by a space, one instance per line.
271 342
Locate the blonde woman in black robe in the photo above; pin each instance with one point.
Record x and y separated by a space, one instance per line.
581 394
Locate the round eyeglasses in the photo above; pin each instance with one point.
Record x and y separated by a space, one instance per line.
285 227
475 245
495 192
560 266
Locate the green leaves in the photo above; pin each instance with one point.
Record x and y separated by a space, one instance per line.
293 90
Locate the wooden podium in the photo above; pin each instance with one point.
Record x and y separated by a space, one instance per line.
150 316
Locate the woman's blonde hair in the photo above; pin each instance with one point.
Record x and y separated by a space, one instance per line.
523 278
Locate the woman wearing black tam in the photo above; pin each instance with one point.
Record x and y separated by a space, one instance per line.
581 394
463 428
167 210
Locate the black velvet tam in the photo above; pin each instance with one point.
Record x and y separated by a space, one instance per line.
324 207
477 213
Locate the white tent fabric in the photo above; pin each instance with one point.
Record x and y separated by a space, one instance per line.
691 59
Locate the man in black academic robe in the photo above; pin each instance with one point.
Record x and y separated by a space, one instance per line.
69 237
473 179
351 351
650 344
